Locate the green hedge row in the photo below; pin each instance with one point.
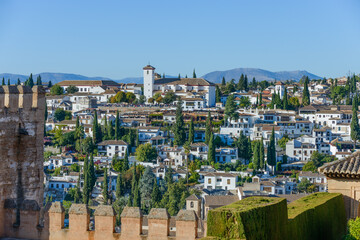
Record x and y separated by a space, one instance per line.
251 218
317 216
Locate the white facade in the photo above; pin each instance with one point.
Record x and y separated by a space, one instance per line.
149 76
225 181
112 148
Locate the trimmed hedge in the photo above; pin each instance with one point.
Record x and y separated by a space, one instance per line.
317 216
252 218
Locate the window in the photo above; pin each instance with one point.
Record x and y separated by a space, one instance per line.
191 204
209 181
218 180
228 181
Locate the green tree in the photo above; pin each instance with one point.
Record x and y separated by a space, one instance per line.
355 103
230 108
77 195
60 115
145 153
262 154
285 103
126 162
208 128
91 172
244 146
271 151
169 97
137 197
240 85
86 187
246 83
50 84
56 90
211 150
256 156
72 89
8 83
355 129
18 81
306 93
223 82
178 128
155 195
146 186
109 130
38 80
119 187
105 188
30 81
3 81
191 131
194 74
117 126
217 94
96 129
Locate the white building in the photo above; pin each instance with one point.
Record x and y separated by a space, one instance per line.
111 148
183 87
215 180
89 86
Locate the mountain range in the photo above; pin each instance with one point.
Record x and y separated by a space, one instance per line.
215 77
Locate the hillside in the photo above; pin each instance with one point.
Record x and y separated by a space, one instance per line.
214 77
259 75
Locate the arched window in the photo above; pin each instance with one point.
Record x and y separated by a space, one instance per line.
191 204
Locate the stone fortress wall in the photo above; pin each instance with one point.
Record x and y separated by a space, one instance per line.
22 112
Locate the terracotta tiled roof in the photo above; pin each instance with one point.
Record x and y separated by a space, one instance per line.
112 142
184 81
348 167
217 201
87 83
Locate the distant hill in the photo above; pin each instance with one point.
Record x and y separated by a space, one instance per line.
46 77
214 77
259 75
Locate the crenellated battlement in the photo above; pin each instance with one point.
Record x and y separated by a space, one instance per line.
13 98
22 118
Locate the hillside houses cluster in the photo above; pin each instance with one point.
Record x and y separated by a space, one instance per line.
318 127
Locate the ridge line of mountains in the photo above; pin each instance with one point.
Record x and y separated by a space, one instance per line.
215 76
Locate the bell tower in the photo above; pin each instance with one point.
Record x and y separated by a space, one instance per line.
149 75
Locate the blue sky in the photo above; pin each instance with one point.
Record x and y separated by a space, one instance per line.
117 38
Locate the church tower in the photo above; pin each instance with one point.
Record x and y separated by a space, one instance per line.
149 75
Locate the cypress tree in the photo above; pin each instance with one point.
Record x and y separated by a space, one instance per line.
18 81
262 154
271 152
38 81
194 74
117 126
104 129
3 81
191 131
126 162
355 103
223 82
86 192
260 99
91 170
246 83
306 94
285 100
137 198
211 150
77 195
155 195
134 180
30 81
240 85
119 189
256 157
96 129
208 128
178 128
109 130
355 129
217 94
105 188
8 82
50 84
179 76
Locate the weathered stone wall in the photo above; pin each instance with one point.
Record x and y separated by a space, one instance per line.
131 224
22 112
